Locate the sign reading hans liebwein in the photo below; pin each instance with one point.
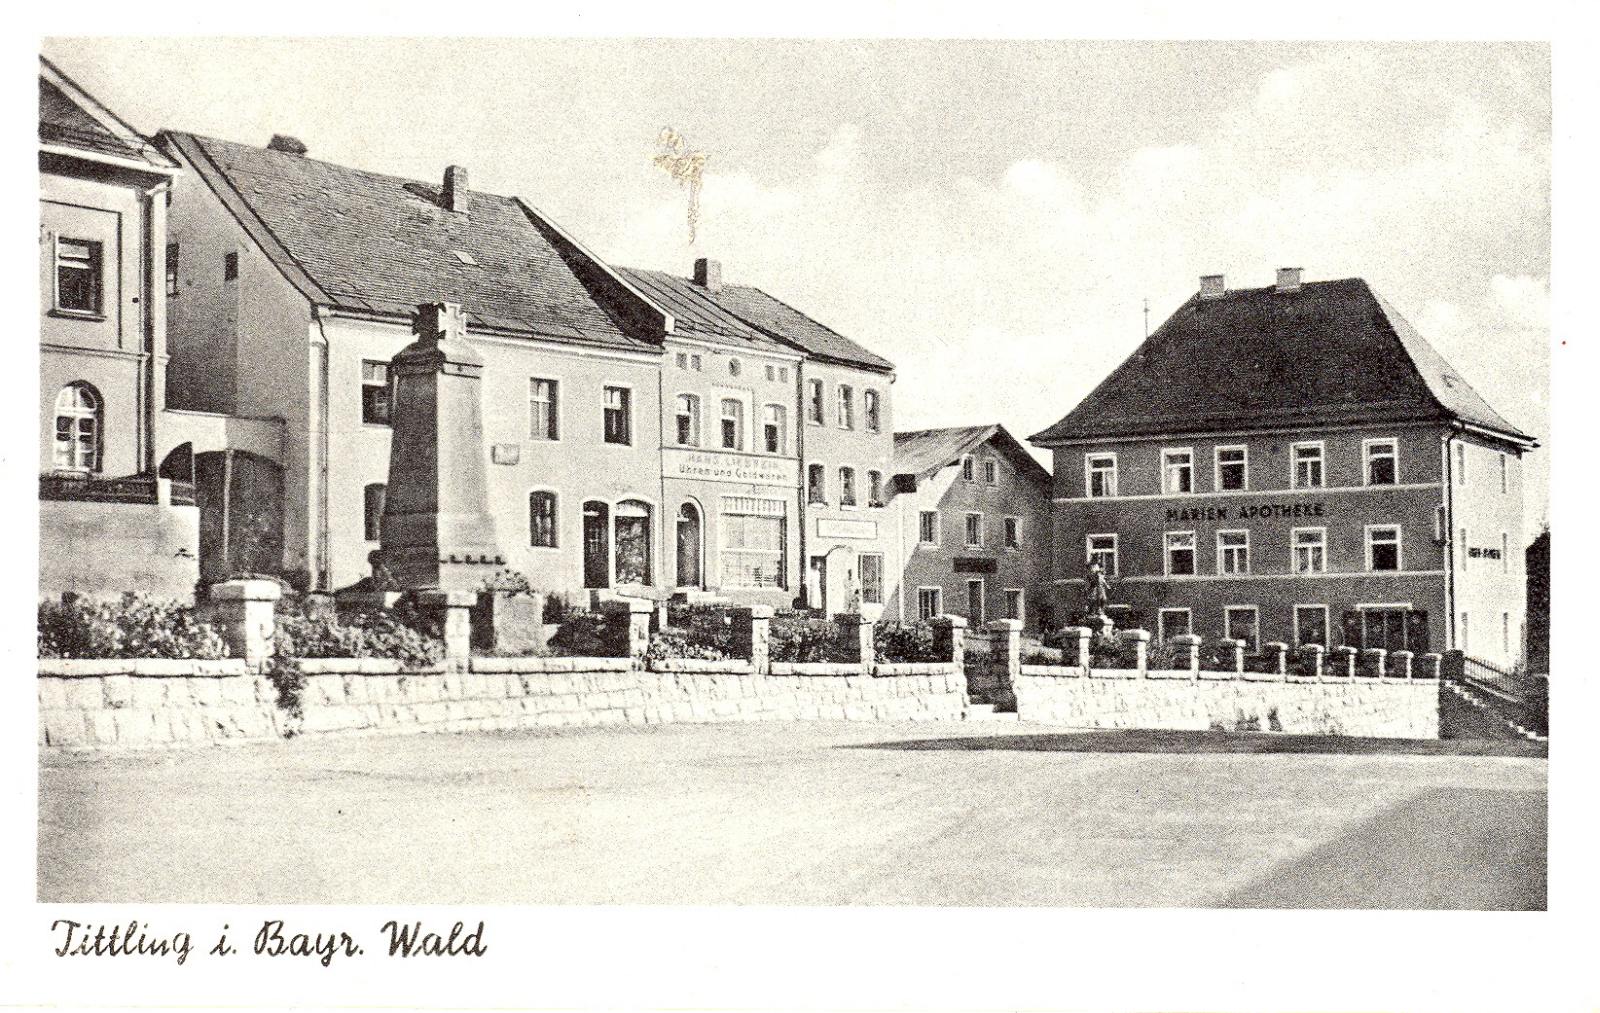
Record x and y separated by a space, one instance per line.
742 469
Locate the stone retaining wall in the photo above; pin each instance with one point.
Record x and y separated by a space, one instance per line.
98 704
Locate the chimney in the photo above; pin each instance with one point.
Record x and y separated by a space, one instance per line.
455 189
1288 279
708 274
1212 287
286 144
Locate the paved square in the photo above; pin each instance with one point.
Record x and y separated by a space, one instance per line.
810 813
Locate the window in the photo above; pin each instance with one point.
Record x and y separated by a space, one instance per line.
871 578
967 473
1014 605
1465 552
991 471
230 267
847 407
1180 553
688 420
1383 547
544 405
847 487
1177 471
78 276
975 531
542 520
754 542
78 434
172 270
1465 640
875 488
772 374
1505 552
1102 551
734 367
618 415
814 401
1307 465
783 374
1504 482
975 601
1310 547
1233 552
772 419
681 360
633 554
1233 468
1242 622
1172 623
694 363
377 393
1382 466
816 484
928 527
930 602
1505 632
869 405
1461 463
372 499
732 424
1101 475
1013 532
1311 625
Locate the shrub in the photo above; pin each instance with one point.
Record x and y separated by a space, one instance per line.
895 641
1165 657
400 634
558 608
508 581
133 626
589 635
672 643
1105 651
799 638
705 626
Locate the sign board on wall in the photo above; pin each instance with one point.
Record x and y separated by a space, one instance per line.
741 469
1247 512
975 564
836 527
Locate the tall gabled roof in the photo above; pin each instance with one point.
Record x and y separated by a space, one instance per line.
70 117
371 243
923 452
793 327
1330 352
696 311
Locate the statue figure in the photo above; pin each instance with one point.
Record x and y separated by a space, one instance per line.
1099 590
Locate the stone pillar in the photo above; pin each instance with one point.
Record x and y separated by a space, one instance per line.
1234 651
1373 658
949 636
1075 646
1431 666
1278 651
856 629
437 532
1005 646
1342 662
1141 647
1188 645
246 611
1400 664
752 636
453 609
1312 653
636 614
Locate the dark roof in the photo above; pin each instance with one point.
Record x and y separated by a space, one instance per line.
1331 352
380 244
923 452
795 328
71 117
695 310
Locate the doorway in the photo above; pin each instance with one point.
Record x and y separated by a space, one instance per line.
689 546
596 544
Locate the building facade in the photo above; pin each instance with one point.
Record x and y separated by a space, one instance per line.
974 509
1294 463
106 520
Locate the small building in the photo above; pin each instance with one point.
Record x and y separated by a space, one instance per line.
1295 463
108 522
974 508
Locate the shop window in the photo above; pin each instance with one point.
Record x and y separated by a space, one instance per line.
732 424
930 602
619 415
1101 475
871 578
79 276
377 393
1180 553
1233 552
1310 546
1177 471
372 500
928 527
544 404
1102 551
632 540
542 520
1308 465
754 542
1383 547
79 436
1382 464
687 420
1233 467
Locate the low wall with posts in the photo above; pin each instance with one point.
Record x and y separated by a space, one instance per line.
1348 694
119 704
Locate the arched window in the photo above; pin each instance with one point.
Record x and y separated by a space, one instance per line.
732 424
688 420
772 419
689 542
632 541
372 510
79 438
542 520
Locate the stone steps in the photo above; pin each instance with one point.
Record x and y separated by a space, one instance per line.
986 712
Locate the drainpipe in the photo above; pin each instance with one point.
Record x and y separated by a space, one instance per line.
1447 444
803 569
321 576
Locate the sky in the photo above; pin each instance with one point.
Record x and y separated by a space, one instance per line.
991 216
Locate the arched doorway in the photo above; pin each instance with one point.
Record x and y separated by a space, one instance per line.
690 546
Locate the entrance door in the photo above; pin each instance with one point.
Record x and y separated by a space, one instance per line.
688 546
596 545
975 602
817 583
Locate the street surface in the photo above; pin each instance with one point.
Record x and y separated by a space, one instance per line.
805 813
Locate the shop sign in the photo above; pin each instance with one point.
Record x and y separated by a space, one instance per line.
743 469
1248 512
835 527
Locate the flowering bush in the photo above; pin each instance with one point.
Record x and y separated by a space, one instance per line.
589 635
400 634
706 627
672 643
895 641
798 638
133 626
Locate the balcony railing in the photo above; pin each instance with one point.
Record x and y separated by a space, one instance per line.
132 489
